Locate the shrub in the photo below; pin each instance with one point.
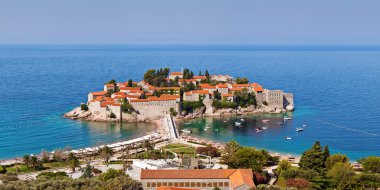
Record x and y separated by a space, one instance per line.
51 175
8 177
191 106
112 115
84 107
265 103
297 183
209 151
173 112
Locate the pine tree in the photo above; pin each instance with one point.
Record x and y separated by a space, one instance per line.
207 75
313 159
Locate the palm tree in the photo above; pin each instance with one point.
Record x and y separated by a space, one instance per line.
106 153
26 160
72 161
34 161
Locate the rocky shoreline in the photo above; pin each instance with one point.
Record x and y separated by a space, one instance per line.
78 114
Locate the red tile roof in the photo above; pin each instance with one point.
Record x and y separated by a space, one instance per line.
222 86
176 73
130 88
237 177
101 93
199 77
258 88
187 80
227 95
173 188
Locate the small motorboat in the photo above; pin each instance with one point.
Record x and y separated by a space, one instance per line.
224 121
205 129
186 130
258 130
237 123
287 138
304 125
265 128
187 123
265 120
241 119
287 118
299 129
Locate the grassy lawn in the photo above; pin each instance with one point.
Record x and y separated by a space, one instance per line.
181 148
23 169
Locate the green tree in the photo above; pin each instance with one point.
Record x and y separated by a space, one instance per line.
283 166
247 157
51 175
343 175
112 115
368 180
111 174
173 112
335 158
83 107
242 80
313 159
113 81
106 153
87 171
26 160
130 84
371 164
72 161
207 75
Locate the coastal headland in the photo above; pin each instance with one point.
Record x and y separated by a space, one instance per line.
182 95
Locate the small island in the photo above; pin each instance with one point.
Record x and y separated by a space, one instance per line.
182 95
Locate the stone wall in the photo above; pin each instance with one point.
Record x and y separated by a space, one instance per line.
288 101
155 109
275 98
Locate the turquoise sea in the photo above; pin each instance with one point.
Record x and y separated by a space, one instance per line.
336 91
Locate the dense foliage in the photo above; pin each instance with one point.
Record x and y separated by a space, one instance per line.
156 77
244 98
191 106
246 157
112 179
208 150
84 107
320 170
241 80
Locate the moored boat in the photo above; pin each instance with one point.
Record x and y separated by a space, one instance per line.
186 130
287 138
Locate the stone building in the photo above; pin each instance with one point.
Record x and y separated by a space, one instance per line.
93 95
108 87
222 78
173 75
155 107
191 96
222 88
207 179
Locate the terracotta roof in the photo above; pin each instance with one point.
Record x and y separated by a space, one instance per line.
187 80
187 174
209 87
173 188
101 93
176 73
108 99
227 95
98 98
188 93
130 88
132 96
236 89
201 91
119 93
237 177
169 96
199 77
241 85
242 177
258 88
164 88
154 98
222 86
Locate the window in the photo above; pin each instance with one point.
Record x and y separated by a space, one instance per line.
154 184
198 184
215 184
192 184
175 184
181 184
170 184
204 184
226 184
159 184
220 184
148 184
187 184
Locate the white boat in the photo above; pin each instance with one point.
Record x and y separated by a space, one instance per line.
287 138
287 118
258 130
186 130
205 129
265 128
187 123
304 125
265 120
224 121
299 129
237 123
242 119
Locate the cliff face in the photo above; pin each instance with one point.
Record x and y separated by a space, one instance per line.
77 113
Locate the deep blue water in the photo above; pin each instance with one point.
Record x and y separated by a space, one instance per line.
339 85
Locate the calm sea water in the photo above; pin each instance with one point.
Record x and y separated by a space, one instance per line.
336 94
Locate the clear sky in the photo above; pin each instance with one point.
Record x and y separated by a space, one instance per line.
268 22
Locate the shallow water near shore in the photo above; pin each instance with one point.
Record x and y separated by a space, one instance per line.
336 93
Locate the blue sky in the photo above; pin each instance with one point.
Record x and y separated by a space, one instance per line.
268 22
